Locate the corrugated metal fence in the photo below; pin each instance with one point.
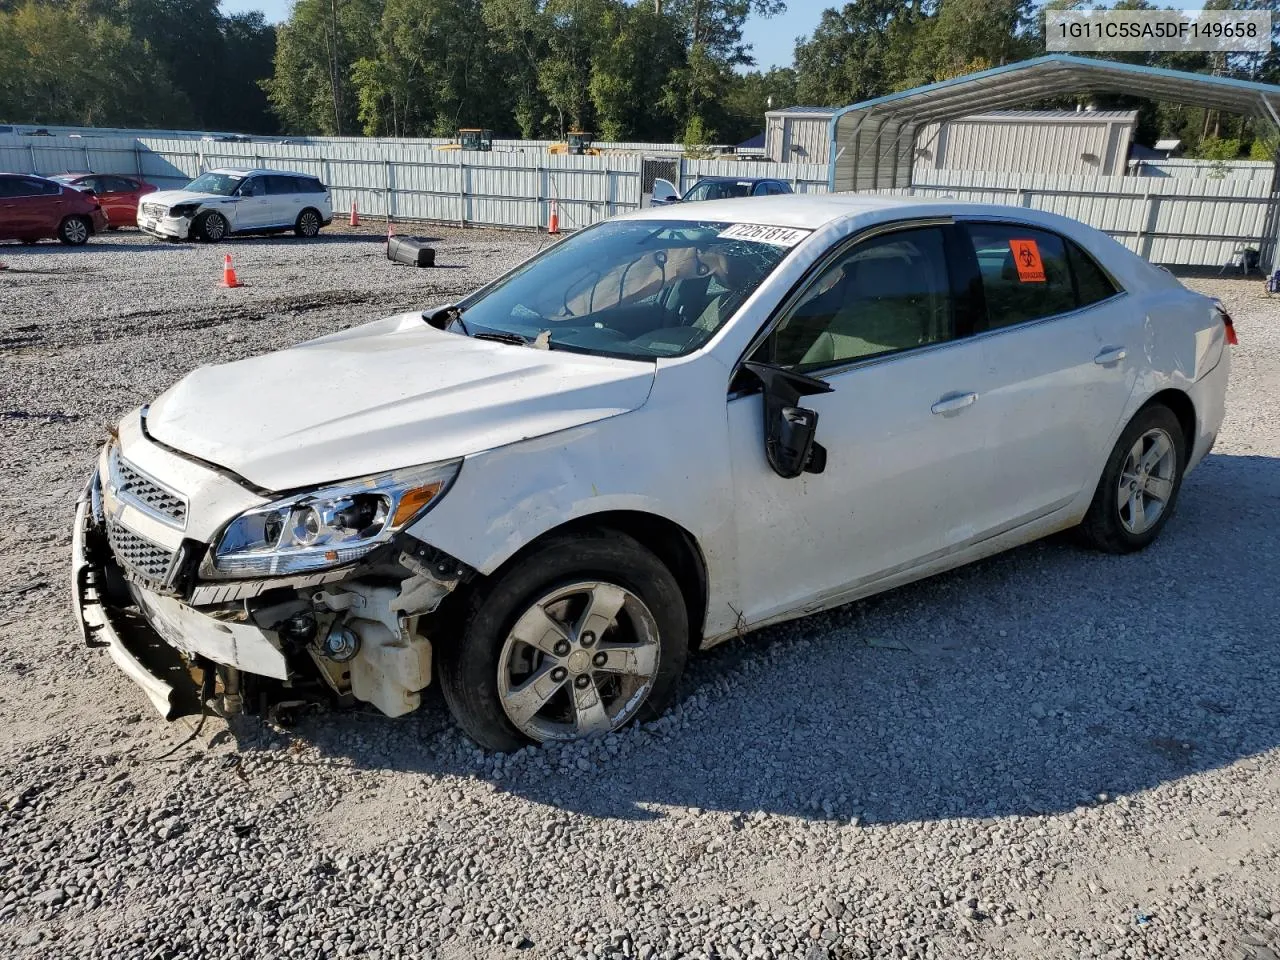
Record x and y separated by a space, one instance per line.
1174 219
1191 222
404 181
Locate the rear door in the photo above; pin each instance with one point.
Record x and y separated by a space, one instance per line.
286 199
1060 341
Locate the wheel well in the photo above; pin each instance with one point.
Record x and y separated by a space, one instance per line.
669 542
1181 406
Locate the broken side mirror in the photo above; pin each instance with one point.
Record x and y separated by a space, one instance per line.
664 191
790 429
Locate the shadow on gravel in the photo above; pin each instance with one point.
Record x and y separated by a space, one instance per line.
1030 683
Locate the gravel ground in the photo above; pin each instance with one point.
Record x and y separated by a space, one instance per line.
1050 754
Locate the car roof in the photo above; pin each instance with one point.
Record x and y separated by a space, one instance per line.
806 211
247 171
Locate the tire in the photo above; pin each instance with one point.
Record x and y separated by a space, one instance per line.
74 231
211 227
308 223
1110 524
589 571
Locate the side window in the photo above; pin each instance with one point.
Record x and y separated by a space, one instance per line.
889 293
313 185
1024 273
9 187
280 185
118 185
761 189
779 188
1092 283
252 187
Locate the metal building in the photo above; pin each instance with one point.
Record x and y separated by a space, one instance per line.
798 134
1064 141
873 142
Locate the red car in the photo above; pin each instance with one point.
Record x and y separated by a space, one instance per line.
33 208
119 195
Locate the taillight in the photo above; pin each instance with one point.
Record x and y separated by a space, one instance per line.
1227 323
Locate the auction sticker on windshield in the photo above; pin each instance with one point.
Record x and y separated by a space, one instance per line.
778 236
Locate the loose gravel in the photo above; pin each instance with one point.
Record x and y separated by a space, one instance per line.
1050 754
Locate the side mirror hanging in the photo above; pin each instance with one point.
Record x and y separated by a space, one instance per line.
789 429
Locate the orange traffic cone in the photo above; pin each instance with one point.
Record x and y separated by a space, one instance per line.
355 216
553 225
229 274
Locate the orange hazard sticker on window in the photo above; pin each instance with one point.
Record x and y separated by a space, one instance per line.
1026 257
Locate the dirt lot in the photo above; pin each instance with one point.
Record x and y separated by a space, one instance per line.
1050 754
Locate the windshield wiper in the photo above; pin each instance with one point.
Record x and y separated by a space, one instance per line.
513 338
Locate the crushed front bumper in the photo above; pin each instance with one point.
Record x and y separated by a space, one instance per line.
165 228
138 651
161 643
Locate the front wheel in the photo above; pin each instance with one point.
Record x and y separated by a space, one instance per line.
576 639
308 224
74 231
211 227
1140 484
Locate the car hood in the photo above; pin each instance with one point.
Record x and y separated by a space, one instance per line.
170 197
390 394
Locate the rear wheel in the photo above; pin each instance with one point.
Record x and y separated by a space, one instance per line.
308 224
74 231
1140 484
211 227
576 639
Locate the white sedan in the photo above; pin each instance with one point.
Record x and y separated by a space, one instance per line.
661 432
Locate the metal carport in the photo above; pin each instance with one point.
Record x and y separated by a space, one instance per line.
873 142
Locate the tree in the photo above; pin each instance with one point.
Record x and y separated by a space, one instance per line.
312 89
857 52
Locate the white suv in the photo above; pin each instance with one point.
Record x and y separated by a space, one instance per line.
229 200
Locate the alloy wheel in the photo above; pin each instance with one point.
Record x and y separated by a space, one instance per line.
75 231
1147 480
579 661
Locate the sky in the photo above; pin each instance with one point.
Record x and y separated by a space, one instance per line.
773 41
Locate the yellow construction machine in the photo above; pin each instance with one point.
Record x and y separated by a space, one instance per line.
471 139
577 144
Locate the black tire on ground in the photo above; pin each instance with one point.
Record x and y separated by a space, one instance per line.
1104 526
468 667
74 231
308 223
211 227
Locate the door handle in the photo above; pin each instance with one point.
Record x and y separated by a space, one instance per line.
953 402
1109 356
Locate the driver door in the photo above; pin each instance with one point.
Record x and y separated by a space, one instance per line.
883 325
252 209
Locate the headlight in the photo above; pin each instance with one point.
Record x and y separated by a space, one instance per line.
184 210
330 526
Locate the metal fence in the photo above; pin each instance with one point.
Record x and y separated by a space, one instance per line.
401 181
1189 222
1260 170
1173 219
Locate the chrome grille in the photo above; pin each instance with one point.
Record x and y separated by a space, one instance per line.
153 209
148 560
135 487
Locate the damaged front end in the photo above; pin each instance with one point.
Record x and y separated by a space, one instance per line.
291 600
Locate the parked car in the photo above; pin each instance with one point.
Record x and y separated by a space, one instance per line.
661 432
36 208
719 188
119 195
231 200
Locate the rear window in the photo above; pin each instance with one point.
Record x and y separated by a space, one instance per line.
1092 282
